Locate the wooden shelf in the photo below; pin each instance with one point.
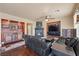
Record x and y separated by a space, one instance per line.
10 31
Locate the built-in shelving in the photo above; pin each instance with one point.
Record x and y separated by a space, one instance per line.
11 31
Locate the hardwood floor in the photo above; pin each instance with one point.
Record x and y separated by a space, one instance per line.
20 51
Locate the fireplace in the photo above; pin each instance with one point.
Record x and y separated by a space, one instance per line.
53 28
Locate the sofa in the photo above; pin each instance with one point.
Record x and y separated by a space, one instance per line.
39 45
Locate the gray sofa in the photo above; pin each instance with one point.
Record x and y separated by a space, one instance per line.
38 45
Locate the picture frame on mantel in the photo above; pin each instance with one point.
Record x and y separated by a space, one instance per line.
77 19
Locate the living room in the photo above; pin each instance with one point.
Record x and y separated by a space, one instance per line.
53 22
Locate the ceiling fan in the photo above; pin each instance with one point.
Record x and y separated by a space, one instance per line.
49 17
45 17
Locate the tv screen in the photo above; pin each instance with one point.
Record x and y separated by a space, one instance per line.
52 28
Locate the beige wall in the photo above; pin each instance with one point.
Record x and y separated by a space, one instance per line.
66 23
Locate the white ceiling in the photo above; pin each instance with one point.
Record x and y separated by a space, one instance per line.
37 10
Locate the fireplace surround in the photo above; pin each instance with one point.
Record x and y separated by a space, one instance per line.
53 28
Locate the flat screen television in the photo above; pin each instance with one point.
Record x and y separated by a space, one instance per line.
53 28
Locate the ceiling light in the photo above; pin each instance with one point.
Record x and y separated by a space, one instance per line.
46 20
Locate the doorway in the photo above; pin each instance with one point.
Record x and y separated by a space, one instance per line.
29 28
